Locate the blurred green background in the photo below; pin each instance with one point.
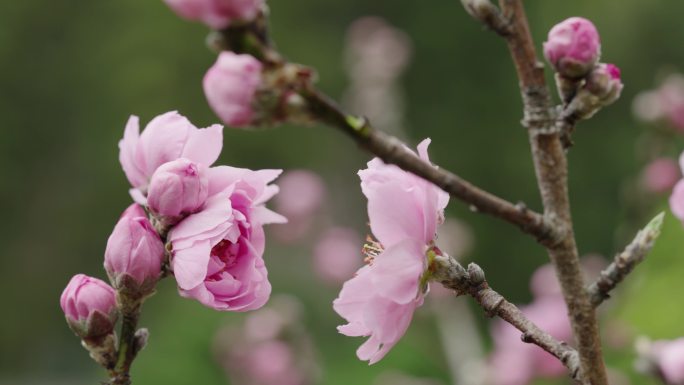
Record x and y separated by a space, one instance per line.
71 72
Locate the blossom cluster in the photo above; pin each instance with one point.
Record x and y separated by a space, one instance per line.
201 224
573 48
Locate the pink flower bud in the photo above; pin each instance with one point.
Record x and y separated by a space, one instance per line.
230 86
89 305
217 14
604 82
573 47
134 251
178 188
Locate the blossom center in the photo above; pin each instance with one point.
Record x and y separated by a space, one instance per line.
226 252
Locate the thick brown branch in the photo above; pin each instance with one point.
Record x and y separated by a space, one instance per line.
452 275
391 150
551 169
624 262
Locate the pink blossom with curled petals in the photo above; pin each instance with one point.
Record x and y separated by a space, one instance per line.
230 86
179 187
167 137
337 254
134 248
669 359
573 47
217 14
404 212
217 253
661 175
89 305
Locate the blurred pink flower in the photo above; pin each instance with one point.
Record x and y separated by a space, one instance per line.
337 254
669 357
404 212
217 253
677 197
573 47
178 188
230 86
663 358
166 138
216 14
301 197
272 347
89 305
661 175
664 103
516 363
134 249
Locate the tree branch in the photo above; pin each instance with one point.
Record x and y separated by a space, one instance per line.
488 14
452 275
624 262
392 151
551 169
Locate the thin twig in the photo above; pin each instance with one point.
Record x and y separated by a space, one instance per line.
624 262
391 150
452 275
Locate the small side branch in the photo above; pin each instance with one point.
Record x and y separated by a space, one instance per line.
488 14
452 275
624 262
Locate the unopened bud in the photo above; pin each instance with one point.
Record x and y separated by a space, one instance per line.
177 188
134 253
89 305
573 47
604 82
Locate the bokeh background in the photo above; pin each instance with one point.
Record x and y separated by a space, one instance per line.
72 72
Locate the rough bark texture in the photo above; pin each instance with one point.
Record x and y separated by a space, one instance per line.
472 282
551 169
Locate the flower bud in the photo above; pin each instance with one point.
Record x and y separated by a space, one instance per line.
178 188
604 82
217 14
89 305
573 47
230 86
134 253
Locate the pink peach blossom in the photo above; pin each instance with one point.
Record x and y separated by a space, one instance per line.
573 47
177 188
337 254
134 248
166 138
217 253
216 14
89 305
230 86
404 212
